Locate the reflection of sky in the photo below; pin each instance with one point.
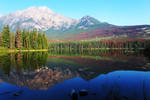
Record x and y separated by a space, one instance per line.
124 84
130 85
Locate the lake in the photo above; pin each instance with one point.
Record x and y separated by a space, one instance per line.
55 75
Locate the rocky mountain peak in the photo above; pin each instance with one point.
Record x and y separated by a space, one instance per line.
39 9
87 21
43 18
86 17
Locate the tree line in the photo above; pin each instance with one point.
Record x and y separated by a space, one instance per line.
37 40
23 39
100 44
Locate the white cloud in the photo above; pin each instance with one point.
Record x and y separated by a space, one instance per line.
0 15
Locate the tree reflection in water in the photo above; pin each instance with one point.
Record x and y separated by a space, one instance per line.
52 76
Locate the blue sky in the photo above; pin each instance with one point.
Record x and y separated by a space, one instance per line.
118 12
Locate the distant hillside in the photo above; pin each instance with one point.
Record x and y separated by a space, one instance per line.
114 32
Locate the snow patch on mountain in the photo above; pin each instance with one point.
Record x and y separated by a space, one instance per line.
43 18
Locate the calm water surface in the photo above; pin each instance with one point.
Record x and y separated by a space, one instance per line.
105 75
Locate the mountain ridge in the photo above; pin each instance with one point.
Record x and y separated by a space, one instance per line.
43 18
60 27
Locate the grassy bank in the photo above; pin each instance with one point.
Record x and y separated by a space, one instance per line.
21 50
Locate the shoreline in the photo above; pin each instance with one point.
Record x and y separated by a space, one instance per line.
15 50
46 50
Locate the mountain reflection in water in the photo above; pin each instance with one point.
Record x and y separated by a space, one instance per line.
119 85
120 75
42 78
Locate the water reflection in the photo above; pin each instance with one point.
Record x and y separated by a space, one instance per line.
120 85
36 71
95 53
42 78
43 70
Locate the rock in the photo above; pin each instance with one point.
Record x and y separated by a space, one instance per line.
18 93
74 94
83 92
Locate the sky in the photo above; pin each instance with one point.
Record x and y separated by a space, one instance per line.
118 12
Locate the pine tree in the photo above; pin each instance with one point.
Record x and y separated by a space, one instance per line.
28 45
24 39
0 41
39 41
12 41
44 42
33 39
18 41
6 37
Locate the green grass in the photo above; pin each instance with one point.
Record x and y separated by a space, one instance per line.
3 49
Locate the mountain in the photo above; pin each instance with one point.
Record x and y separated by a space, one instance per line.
87 22
59 27
43 18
